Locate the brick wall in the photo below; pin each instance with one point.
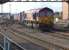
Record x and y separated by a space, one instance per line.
65 10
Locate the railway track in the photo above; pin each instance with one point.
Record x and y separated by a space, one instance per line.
44 40
63 35
60 35
38 36
22 42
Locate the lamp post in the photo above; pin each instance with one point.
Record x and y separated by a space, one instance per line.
1 9
10 10
68 8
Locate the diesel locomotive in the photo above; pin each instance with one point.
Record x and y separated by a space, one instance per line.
46 19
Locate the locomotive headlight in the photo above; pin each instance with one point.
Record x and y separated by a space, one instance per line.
57 19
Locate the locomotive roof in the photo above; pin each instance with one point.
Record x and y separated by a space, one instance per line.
46 9
38 10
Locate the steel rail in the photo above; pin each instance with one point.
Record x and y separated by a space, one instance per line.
33 38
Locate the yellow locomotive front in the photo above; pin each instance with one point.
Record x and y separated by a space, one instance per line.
46 19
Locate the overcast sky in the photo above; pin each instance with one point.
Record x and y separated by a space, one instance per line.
17 7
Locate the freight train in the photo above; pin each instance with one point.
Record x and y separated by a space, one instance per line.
42 19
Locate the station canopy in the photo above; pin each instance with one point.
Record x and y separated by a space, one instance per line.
4 1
